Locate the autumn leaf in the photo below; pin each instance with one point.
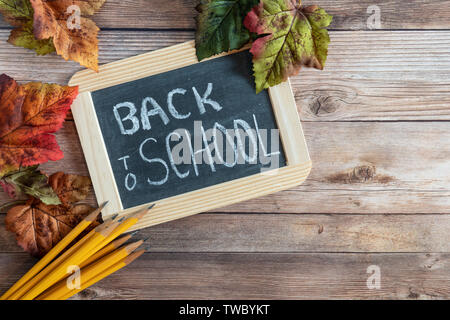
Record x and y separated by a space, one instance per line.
39 227
74 36
61 25
29 181
220 26
23 37
292 36
28 115
16 12
70 188
19 13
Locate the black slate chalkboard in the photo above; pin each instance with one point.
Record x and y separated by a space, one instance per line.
136 144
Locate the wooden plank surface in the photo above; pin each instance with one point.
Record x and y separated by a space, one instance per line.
358 167
265 276
290 233
383 75
348 14
376 123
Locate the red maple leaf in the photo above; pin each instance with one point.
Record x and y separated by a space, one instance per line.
29 113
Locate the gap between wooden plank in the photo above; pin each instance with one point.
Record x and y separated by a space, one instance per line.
360 168
264 276
348 14
291 233
382 76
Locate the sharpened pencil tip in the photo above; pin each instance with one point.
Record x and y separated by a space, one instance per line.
94 214
104 204
109 229
134 233
133 246
134 256
151 206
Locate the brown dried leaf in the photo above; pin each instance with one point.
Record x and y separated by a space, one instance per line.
70 188
38 227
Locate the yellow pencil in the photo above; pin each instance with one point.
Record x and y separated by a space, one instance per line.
104 274
27 286
125 225
75 259
88 253
60 246
107 249
91 271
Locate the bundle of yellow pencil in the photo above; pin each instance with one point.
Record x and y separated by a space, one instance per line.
97 254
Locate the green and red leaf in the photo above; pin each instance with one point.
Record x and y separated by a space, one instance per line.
292 36
29 181
220 26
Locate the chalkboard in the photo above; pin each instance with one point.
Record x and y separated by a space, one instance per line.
141 119
136 144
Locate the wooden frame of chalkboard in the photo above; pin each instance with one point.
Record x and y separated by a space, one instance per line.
298 163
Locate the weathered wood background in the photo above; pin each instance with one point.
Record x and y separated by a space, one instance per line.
377 121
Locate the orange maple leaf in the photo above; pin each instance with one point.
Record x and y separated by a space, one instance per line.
74 41
28 115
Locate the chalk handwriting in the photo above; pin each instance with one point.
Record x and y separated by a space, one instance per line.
214 146
151 108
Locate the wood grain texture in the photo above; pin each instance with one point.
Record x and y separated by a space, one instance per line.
348 14
290 233
370 167
384 75
263 276
377 189
358 167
